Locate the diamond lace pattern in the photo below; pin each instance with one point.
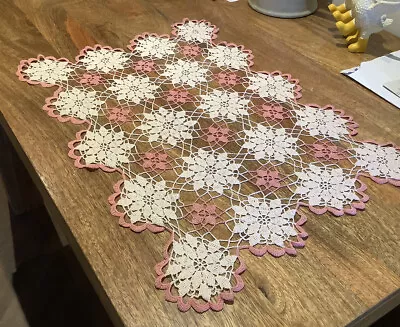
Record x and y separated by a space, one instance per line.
219 156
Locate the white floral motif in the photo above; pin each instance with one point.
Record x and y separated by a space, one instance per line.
167 126
225 56
157 47
78 103
264 221
105 60
200 268
270 143
147 201
48 71
185 72
105 146
326 187
321 122
192 31
210 170
378 160
224 104
272 86
133 88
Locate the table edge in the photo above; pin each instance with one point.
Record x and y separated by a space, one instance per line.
56 215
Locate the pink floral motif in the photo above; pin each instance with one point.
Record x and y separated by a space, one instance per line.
154 161
218 134
267 178
204 214
144 66
92 79
272 111
327 151
228 79
191 50
119 115
178 96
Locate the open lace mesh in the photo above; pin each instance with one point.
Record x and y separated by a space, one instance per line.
220 156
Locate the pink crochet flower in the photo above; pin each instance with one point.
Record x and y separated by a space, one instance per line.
204 214
178 96
191 50
272 111
267 178
154 161
327 151
226 79
218 134
119 115
144 66
92 79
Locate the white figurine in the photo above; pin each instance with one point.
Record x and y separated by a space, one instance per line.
358 19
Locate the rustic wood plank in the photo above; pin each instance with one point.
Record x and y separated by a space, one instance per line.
349 263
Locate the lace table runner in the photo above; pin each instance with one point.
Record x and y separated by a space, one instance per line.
216 154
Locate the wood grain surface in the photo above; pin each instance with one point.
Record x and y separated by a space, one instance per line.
349 264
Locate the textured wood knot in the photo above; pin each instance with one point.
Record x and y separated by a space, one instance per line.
263 291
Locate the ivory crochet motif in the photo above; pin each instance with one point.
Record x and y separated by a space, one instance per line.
218 155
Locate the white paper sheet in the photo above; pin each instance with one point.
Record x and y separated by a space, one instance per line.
375 73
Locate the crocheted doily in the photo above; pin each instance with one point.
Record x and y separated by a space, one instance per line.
216 154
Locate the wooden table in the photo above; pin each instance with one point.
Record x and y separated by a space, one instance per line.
349 269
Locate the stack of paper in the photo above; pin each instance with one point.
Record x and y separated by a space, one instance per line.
381 75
